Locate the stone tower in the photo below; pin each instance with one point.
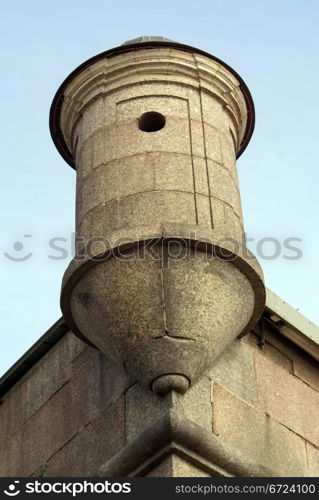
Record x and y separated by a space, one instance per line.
162 280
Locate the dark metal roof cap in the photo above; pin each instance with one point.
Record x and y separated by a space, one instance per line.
143 42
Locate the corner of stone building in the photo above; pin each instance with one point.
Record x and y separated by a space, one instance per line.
162 290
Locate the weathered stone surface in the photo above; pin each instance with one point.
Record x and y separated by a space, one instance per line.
103 304
259 436
106 380
100 298
213 113
92 446
301 363
287 399
313 460
109 382
131 109
201 174
212 143
175 466
94 117
234 370
158 206
204 210
143 176
143 407
198 445
206 299
43 380
306 369
198 138
277 357
224 187
10 457
167 355
281 343
125 139
92 393
172 171
50 428
228 153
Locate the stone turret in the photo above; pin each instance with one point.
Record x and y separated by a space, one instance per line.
162 281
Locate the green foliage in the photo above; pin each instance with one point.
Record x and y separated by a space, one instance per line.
42 470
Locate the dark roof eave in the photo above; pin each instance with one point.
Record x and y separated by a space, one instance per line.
33 355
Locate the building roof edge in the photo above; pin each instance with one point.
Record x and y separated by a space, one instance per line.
288 322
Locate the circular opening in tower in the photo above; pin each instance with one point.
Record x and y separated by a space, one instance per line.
151 122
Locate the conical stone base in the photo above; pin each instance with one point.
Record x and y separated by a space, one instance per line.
165 319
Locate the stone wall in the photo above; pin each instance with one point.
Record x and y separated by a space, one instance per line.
75 410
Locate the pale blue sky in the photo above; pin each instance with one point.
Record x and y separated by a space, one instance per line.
272 44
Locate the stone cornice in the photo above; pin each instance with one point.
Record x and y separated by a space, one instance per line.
174 434
154 61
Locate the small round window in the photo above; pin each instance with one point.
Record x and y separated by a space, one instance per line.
151 122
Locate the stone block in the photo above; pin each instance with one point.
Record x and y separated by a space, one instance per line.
171 171
203 207
307 369
145 209
58 421
94 115
98 187
110 381
98 224
126 139
131 109
92 446
213 143
76 346
135 174
144 407
40 383
228 153
213 112
234 370
10 456
223 186
84 158
201 174
301 363
257 435
278 357
313 460
197 138
287 399
226 222
175 466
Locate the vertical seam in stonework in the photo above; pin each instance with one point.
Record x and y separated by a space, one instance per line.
307 458
163 291
204 140
234 140
192 160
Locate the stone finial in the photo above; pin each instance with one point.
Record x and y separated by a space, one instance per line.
162 281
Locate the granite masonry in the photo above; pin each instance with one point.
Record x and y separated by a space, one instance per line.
166 369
